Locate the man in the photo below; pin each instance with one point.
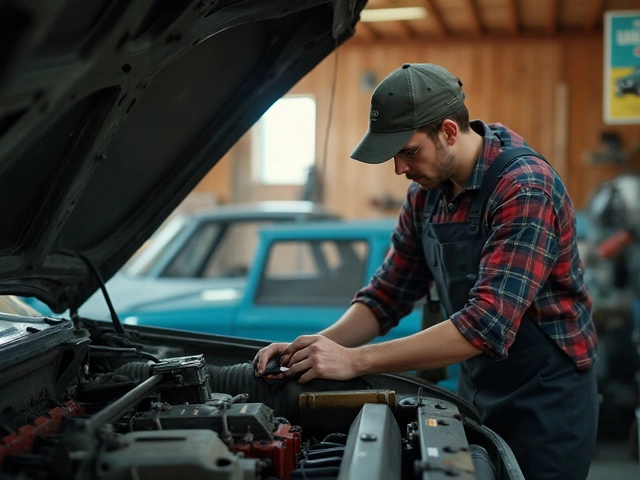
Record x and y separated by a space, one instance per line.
490 222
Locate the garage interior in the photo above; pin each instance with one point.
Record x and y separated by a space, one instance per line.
535 66
180 206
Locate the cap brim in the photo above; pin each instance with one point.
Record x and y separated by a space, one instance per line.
380 147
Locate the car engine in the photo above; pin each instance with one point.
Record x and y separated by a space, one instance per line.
86 409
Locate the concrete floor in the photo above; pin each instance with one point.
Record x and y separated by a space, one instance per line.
613 461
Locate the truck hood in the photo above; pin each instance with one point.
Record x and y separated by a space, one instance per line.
112 111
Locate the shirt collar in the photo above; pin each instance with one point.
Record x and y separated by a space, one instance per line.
491 145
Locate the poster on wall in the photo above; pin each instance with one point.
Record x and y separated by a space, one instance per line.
622 67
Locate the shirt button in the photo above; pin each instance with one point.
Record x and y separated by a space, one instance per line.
450 206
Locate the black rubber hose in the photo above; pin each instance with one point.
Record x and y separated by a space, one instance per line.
135 370
482 463
239 378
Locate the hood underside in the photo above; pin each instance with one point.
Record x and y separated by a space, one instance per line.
112 111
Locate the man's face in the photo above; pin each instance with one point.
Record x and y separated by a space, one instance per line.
425 160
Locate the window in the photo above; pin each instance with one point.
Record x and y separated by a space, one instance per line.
233 255
313 272
194 253
217 250
286 147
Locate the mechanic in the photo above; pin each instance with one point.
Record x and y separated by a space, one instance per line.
489 222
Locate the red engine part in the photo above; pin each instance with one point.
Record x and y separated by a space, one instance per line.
283 451
22 440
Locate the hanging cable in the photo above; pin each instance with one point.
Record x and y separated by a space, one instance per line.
323 174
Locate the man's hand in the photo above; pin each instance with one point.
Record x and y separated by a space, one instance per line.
315 356
265 354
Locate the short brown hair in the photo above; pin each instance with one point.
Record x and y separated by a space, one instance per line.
460 116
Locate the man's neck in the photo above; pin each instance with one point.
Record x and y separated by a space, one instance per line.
470 147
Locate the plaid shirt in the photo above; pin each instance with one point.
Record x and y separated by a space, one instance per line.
529 264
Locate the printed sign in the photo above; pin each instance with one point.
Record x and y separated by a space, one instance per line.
622 67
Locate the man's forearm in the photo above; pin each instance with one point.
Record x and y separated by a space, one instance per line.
435 347
356 327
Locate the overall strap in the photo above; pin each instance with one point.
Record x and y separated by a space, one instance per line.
489 180
430 203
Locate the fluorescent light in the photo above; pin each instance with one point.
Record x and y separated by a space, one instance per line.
392 14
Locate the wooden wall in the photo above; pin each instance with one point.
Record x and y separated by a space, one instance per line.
548 90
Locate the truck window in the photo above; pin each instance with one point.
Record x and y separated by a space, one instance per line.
313 272
234 252
217 249
189 260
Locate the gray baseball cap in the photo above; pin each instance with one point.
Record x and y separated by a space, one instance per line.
411 96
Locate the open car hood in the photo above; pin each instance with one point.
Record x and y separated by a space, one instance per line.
112 111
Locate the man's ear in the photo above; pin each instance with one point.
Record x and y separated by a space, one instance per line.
451 131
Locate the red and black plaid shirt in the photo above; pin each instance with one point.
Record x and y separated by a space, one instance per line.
529 265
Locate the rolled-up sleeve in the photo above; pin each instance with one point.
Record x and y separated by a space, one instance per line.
516 260
403 277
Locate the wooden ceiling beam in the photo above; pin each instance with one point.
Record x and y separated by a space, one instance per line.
552 15
474 13
436 17
407 31
514 23
593 15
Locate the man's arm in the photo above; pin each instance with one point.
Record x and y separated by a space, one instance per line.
316 356
356 327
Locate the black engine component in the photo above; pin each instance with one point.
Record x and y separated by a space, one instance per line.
242 418
443 442
186 373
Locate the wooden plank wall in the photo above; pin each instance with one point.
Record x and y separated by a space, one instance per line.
548 90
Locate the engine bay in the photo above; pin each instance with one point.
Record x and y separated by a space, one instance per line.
151 408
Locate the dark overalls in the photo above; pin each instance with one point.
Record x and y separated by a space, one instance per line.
536 399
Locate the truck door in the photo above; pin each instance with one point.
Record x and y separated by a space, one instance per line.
304 286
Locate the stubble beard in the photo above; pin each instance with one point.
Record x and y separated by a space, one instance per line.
445 163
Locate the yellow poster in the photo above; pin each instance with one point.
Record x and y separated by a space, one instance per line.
622 67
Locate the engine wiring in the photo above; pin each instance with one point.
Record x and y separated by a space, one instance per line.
124 350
